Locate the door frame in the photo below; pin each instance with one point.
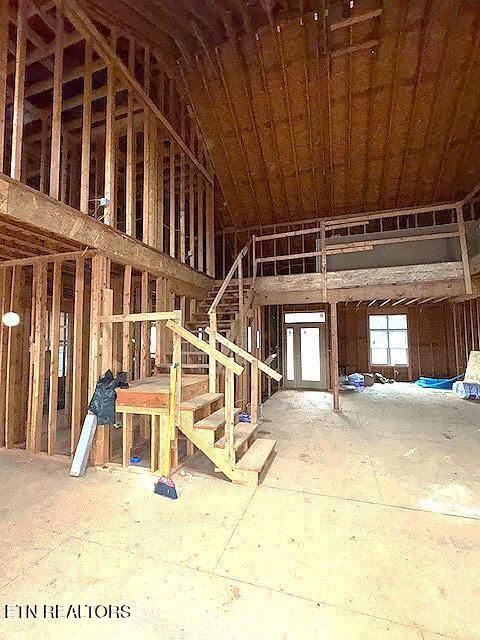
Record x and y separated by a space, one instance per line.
298 383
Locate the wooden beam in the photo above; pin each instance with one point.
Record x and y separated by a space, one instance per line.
4 20
18 102
54 348
34 430
145 316
334 356
86 129
370 44
126 328
83 23
57 107
110 190
77 348
348 22
26 205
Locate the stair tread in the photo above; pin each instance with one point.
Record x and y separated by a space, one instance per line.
243 431
185 365
257 455
200 401
215 420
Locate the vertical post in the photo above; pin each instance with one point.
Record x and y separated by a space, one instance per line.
172 200
254 392
34 432
57 107
4 11
127 442
182 190
145 369
19 95
210 225
130 170
334 356
4 305
176 362
229 415
241 310
323 249
54 346
126 326
254 259
86 128
464 249
102 435
77 347
110 144
201 218
212 363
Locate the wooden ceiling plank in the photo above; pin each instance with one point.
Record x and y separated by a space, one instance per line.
466 80
240 141
220 135
431 121
247 84
307 81
266 90
425 25
277 38
391 102
325 100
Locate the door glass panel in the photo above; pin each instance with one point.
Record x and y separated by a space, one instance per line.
290 360
310 353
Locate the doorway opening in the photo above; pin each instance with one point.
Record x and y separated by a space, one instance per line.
305 350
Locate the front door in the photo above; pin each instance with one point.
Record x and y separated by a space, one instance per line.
305 361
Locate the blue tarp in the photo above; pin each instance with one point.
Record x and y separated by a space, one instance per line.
437 383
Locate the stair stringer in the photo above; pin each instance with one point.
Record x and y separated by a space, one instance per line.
217 456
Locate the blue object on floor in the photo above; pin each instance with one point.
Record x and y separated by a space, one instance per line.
135 459
245 417
437 383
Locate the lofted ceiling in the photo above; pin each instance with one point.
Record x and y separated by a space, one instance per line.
314 108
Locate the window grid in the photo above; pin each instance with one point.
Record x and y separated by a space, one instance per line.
389 331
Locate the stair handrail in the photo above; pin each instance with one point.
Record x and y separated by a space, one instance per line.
232 369
249 357
220 357
256 366
228 278
212 312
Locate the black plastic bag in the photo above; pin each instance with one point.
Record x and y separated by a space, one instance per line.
103 400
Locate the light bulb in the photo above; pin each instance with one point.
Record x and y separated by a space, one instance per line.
11 319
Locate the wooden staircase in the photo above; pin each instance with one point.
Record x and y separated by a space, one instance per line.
211 422
203 423
193 359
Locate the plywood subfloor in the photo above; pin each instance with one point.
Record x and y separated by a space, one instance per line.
366 527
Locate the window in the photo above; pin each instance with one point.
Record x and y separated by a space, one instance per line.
388 340
306 316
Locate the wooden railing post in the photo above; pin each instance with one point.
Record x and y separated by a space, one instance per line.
464 250
212 363
334 356
229 415
254 392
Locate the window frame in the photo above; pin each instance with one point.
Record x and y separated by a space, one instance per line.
388 331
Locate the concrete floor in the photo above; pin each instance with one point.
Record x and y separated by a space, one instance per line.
366 527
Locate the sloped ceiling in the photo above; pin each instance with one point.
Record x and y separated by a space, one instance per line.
325 107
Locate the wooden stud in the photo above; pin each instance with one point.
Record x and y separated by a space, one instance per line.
4 21
110 144
54 348
34 431
57 107
334 356
18 102
126 328
77 355
172 201
86 129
